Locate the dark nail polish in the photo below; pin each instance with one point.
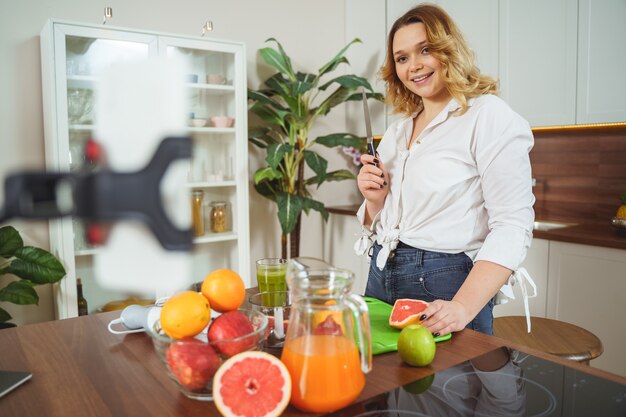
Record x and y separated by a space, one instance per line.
436 334
382 175
423 317
375 161
381 186
385 183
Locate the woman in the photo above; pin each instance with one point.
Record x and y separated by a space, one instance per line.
448 196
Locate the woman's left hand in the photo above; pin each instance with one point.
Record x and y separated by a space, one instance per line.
444 317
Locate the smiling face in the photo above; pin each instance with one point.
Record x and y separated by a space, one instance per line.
419 71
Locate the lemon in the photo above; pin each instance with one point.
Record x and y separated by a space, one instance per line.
416 345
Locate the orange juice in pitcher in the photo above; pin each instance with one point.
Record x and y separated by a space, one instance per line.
325 372
327 348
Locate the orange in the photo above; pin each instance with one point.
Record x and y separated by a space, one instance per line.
185 314
224 289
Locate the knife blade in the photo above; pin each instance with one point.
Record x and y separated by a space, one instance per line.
368 125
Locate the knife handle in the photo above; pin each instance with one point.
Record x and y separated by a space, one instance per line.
371 151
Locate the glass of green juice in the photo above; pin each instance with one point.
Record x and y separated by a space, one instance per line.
271 277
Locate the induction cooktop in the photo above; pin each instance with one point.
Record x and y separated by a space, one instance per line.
502 382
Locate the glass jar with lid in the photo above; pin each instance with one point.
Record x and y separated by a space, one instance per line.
197 214
219 217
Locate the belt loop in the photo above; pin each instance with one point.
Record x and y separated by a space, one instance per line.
419 258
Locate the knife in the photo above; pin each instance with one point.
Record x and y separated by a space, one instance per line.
368 125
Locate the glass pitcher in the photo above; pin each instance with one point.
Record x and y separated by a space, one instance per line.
328 345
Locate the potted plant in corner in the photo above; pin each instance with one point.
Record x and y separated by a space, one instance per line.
288 107
32 266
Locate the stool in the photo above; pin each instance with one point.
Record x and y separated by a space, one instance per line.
550 336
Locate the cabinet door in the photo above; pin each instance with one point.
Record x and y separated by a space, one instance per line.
587 285
72 58
217 123
538 59
601 61
536 263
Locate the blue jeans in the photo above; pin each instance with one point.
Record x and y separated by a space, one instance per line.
424 275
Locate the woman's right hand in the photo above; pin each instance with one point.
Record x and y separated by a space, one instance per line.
373 181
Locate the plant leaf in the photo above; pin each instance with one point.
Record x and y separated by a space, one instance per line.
261 137
19 292
267 189
339 175
289 208
275 153
261 97
4 315
317 164
266 174
351 82
341 139
338 59
279 60
309 203
269 114
36 265
338 96
10 241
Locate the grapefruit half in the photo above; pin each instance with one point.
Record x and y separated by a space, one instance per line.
406 311
252 384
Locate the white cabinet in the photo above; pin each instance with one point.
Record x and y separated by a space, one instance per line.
601 61
536 263
587 286
538 59
72 57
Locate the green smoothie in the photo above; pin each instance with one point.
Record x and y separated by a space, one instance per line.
272 278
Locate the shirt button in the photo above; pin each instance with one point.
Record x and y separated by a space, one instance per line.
421 279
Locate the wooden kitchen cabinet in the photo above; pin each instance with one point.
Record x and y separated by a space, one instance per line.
601 61
73 56
536 263
586 287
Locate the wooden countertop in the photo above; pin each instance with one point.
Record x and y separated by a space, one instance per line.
80 369
594 234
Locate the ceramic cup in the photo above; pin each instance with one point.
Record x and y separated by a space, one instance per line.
222 121
215 79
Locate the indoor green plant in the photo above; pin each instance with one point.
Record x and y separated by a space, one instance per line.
288 106
32 266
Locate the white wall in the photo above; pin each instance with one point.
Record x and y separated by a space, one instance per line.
311 32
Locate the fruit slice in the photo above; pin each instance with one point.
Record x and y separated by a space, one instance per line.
252 384
193 362
406 311
328 327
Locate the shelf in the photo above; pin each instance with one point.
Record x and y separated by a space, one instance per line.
216 89
212 129
215 237
82 127
81 81
87 252
212 184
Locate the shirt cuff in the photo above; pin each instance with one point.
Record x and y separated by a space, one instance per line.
363 242
506 246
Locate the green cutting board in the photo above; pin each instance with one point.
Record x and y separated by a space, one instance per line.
385 337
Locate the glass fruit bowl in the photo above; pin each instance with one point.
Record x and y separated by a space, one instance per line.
192 362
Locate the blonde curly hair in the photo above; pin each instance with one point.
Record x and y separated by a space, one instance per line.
446 43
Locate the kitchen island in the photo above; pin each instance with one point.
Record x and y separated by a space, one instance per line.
80 369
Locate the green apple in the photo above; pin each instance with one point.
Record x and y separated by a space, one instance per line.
416 345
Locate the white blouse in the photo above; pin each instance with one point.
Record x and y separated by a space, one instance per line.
464 186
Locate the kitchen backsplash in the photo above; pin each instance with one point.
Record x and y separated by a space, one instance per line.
580 172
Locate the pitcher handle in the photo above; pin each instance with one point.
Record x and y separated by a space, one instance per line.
361 314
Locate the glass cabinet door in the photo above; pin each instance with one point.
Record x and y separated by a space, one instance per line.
217 125
73 56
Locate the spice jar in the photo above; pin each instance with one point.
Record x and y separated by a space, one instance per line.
219 217
196 212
